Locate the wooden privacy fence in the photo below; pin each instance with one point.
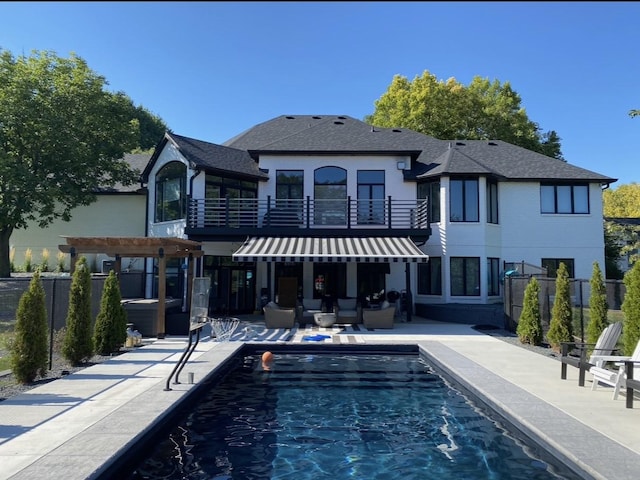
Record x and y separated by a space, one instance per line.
515 285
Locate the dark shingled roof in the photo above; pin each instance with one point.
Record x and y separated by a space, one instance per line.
504 160
210 157
138 162
340 133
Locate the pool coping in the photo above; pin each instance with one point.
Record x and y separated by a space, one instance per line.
77 434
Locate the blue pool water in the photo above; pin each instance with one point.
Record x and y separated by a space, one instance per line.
339 417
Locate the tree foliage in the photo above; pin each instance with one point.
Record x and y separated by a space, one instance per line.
561 324
598 306
529 328
110 331
29 351
622 202
62 135
448 110
77 346
631 309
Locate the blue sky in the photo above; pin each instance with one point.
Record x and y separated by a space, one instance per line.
211 70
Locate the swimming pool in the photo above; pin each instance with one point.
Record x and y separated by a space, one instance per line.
341 415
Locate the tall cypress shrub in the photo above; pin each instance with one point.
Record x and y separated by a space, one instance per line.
529 328
561 324
631 309
77 347
110 331
598 306
29 350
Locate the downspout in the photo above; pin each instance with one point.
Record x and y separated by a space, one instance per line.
190 260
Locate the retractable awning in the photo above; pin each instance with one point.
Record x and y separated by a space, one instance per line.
308 249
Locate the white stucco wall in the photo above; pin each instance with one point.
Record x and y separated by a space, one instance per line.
523 234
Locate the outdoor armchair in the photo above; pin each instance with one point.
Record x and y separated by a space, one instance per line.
379 317
276 317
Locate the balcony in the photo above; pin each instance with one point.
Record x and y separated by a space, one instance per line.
236 218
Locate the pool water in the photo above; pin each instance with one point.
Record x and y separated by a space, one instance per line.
339 417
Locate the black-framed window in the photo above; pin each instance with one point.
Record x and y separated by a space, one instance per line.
493 276
492 202
371 197
562 198
465 276
552 265
289 186
230 201
171 195
330 196
430 277
431 192
463 200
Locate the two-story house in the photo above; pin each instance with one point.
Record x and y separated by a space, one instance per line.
329 207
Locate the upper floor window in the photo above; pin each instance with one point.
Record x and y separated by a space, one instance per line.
492 202
463 200
371 197
171 196
431 192
558 198
330 196
229 201
289 185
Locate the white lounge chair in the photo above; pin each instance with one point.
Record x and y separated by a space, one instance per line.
615 378
605 345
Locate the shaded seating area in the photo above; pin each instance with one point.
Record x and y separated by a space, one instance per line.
277 317
379 317
606 345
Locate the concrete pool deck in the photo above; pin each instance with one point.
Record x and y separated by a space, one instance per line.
75 427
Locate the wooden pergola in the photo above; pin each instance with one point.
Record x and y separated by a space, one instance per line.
139 247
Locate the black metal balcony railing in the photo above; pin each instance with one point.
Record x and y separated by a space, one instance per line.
250 213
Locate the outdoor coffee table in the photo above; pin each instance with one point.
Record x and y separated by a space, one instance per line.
324 319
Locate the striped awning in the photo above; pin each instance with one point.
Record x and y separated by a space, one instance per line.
308 249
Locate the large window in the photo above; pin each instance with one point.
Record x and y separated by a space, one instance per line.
463 200
465 276
552 265
555 198
289 186
171 197
430 277
492 202
330 196
230 201
493 276
371 197
431 192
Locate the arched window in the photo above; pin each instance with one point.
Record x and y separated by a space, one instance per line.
171 194
330 196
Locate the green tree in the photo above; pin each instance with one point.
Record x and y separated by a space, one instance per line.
529 328
110 331
631 309
448 110
612 250
598 306
622 201
77 346
561 324
29 349
62 136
